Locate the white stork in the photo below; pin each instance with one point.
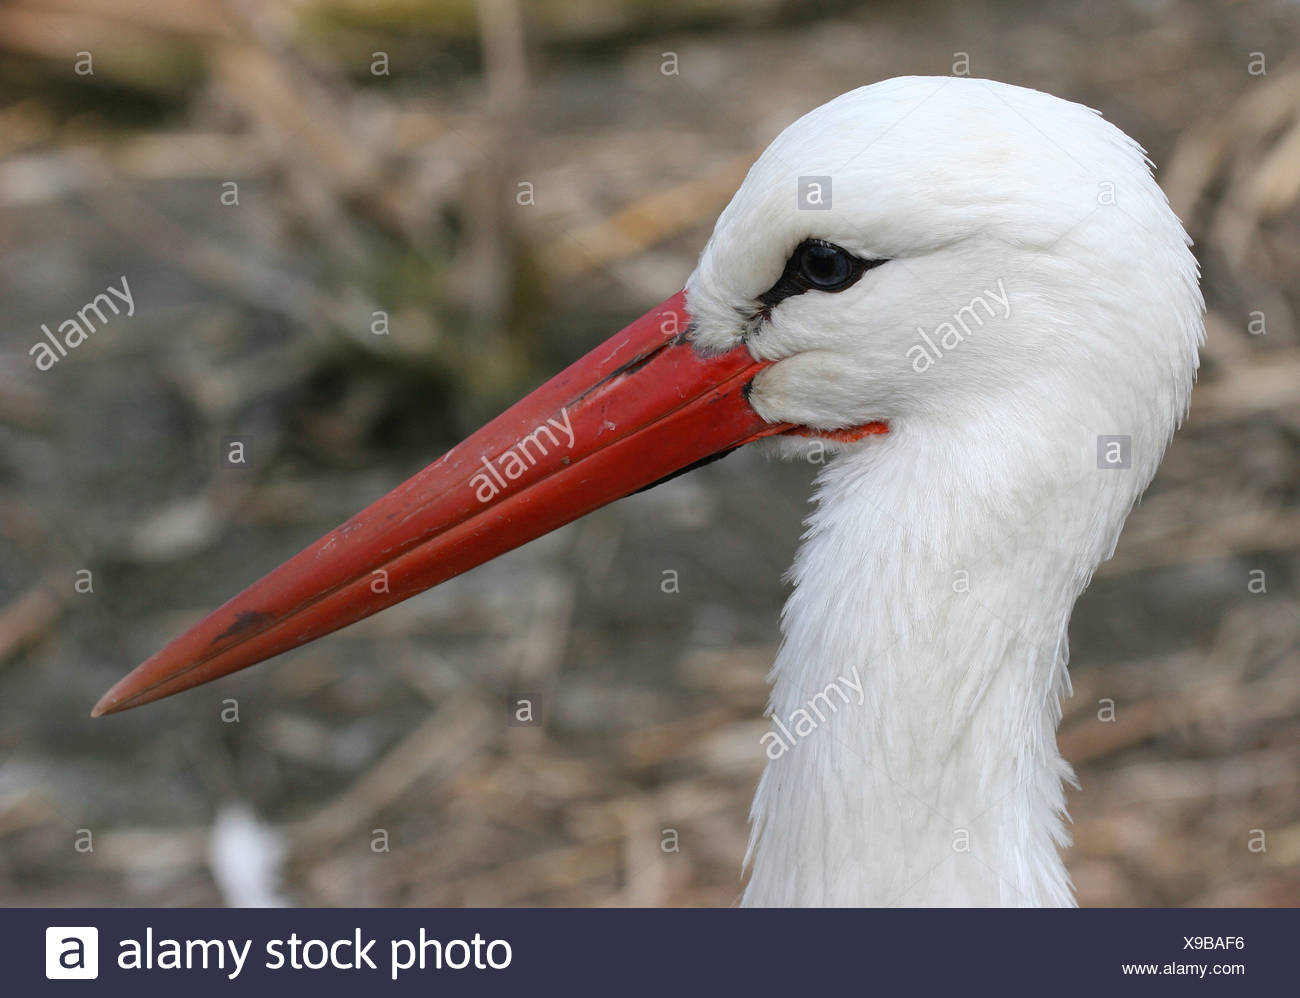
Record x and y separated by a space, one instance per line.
974 294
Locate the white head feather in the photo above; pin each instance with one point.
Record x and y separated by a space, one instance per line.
1039 296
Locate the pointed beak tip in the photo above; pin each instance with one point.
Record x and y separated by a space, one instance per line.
110 703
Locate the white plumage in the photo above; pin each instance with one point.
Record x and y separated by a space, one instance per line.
943 559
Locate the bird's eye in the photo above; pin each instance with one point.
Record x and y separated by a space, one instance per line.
815 265
825 266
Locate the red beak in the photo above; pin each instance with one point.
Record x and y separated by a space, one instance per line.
637 409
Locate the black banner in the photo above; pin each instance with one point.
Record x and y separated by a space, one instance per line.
643 952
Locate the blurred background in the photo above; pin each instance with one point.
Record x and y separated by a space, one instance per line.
353 231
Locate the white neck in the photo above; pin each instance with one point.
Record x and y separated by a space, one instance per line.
933 595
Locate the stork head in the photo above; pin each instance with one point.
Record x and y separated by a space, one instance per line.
938 251
920 257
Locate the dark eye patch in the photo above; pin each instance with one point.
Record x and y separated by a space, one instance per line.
816 265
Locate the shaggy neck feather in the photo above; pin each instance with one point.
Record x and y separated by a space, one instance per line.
940 784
